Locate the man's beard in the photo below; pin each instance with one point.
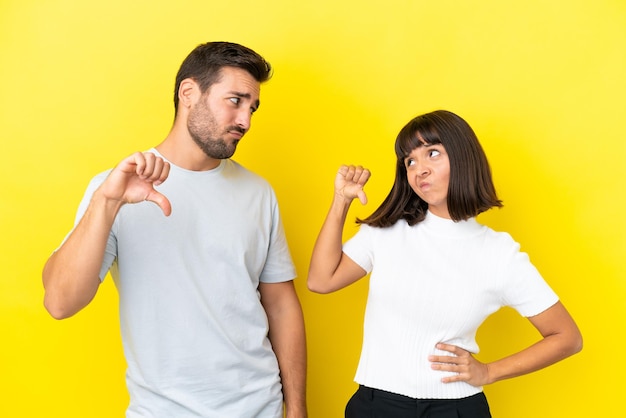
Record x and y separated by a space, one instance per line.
203 128
215 148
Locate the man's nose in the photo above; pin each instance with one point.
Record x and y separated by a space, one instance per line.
243 119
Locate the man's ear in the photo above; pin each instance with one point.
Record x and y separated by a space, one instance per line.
188 92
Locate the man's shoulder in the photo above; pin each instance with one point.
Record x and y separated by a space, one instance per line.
97 180
101 176
245 173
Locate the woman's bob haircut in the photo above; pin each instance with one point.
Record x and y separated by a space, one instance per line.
470 190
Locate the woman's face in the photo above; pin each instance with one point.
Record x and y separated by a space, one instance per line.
428 174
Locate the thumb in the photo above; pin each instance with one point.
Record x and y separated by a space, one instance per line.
161 201
362 196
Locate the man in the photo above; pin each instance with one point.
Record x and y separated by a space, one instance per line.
211 323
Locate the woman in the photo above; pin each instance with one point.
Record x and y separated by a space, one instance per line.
436 275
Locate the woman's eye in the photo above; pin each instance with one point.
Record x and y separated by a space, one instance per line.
409 162
434 153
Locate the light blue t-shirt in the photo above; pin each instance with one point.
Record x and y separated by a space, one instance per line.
193 327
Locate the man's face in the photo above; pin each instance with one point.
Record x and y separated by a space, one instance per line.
222 115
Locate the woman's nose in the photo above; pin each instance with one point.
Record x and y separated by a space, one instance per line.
422 168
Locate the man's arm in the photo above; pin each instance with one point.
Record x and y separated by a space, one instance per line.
287 335
71 275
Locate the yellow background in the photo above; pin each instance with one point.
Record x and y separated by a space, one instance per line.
83 84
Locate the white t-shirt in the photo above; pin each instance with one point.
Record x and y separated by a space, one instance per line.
193 328
435 282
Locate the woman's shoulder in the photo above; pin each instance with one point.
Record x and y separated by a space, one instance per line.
500 240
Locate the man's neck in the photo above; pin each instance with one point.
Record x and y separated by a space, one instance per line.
181 150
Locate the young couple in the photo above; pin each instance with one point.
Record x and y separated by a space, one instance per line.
211 323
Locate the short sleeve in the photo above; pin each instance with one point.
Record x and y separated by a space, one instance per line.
359 248
525 289
279 265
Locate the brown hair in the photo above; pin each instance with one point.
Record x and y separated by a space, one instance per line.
204 63
470 191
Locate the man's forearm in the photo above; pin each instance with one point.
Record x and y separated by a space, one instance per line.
71 275
287 335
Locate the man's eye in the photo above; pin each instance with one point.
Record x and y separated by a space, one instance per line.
235 100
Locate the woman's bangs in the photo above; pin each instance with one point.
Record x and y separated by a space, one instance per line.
406 144
418 136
